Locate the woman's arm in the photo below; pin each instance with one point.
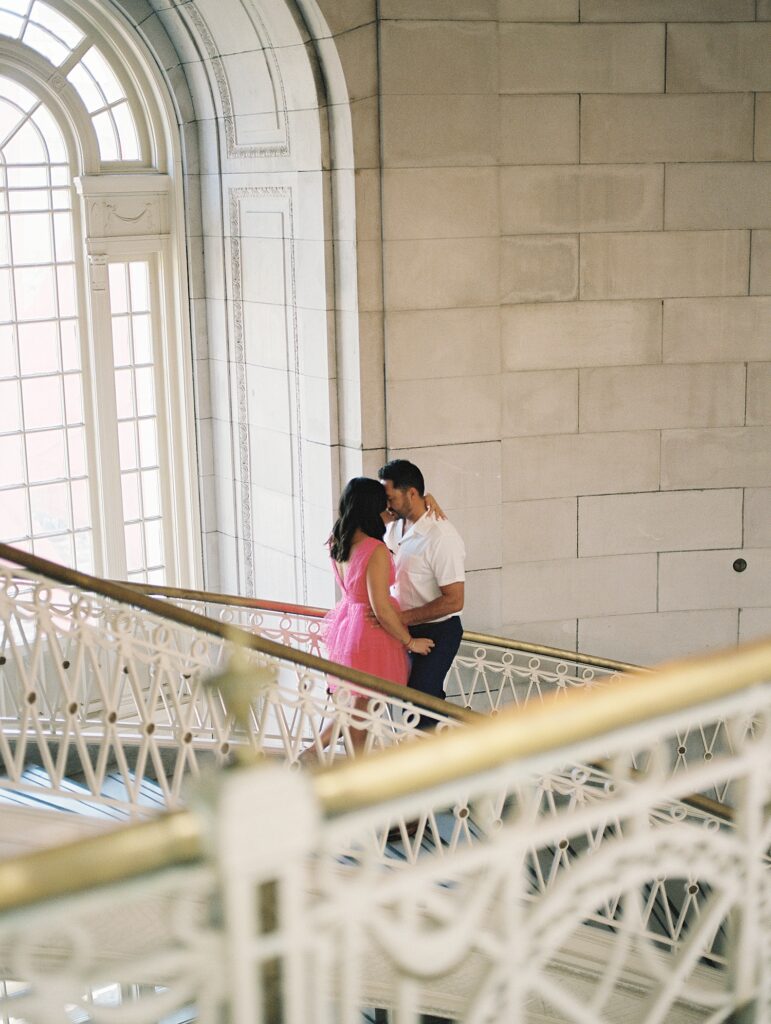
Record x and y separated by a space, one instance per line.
378 574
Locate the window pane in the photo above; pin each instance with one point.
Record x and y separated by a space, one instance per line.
140 287
46 44
61 199
70 345
27 177
124 393
42 398
134 557
49 508
63 237
11 461
127 445
143 345
13 91
106 136
35 291
145 391
86 88
151 492
14 523
57 549
10 25
38 347
131 504
81 512
26 147
148 443
57 24
57 152
84 551
118 288
5 253
6 309
76 446
46 456
73 398
26 200
10 411
121 344
154 543
31 238
101 71
7 351
68 305
127 133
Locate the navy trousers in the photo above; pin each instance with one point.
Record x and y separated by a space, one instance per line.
428 671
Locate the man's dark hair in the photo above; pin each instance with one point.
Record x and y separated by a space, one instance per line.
403 475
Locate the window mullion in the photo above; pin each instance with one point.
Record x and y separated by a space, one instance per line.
105 439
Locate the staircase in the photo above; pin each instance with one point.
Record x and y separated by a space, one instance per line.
623 833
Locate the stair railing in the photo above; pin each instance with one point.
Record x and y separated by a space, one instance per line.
97 679
546 913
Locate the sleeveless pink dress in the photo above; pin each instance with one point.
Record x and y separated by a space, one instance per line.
352 635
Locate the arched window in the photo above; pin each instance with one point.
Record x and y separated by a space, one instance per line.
95 449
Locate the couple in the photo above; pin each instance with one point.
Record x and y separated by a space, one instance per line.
398 617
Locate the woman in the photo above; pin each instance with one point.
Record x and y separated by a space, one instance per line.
364 630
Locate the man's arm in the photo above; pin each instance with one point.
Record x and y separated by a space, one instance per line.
449 603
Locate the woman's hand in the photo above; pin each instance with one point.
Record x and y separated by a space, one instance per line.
420 645
433 507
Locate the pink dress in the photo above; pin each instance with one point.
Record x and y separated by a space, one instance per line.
352 635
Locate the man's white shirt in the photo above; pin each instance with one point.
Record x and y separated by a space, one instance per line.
428 554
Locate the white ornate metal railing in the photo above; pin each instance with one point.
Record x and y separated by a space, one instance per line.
579 897
96 684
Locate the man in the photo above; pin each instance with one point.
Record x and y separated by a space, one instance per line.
430 575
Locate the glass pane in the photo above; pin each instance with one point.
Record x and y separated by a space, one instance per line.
84 551
55 549
49 508
81 511
27 200
26 147
27 177
10 412
134 557
54 140
11 461
73 398
31 238
4 249
94 62
106 136
35 290
157 576
46 44
86 88
140 287
17 93
121 345
13 515
76 444
145 390
42 400
63 237
6 309
124 393
68 305
59 175
127 445
151 492
10 25
143 345
70 345
153 543
7 351
61 199
127 132
57 24
118 288
148 443
38 347
131 504
46 455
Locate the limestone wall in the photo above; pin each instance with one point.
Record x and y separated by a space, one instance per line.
573 299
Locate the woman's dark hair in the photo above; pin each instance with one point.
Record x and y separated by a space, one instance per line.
361 503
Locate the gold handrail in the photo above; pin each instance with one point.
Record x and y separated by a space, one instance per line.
242 637
261 604
518 732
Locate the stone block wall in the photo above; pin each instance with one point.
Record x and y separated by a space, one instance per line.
576 239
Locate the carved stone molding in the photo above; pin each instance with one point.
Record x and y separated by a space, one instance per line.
125 206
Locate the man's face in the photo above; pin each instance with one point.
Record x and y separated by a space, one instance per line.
399 502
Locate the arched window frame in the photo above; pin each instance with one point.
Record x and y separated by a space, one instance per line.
126 211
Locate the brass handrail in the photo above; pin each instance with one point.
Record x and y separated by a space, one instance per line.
522 731
242 637
261 604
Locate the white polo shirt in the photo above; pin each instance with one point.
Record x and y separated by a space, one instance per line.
429 554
